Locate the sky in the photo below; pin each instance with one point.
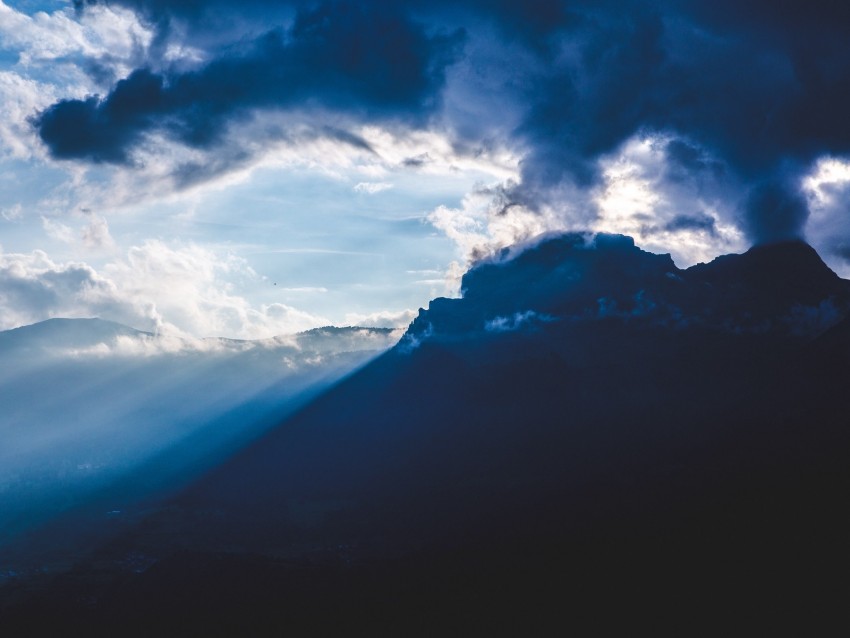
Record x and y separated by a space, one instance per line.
246 169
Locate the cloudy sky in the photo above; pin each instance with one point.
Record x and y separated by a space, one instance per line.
249 168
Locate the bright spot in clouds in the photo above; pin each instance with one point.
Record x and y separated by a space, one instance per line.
828 191
638 198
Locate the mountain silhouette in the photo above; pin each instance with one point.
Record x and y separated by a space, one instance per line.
573 277
589 434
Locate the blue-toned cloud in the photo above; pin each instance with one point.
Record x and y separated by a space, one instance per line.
343 57
764 96
744 101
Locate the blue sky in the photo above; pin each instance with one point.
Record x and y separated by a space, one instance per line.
227 169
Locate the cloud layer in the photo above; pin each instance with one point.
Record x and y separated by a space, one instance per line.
761 91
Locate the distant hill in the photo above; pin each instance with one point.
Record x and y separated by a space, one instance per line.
65 334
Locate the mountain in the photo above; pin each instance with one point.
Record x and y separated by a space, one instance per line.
589 435
782 287
64 334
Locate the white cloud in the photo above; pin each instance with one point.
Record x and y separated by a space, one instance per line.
96 234
58 230
382 319
828 190
441 283
395 148
481 225
101 31
194 290
411 342
11 213
278 318
148 346
183 290
514 322
372 188
20 98
686 213
642 194
163 168
452 277
33 287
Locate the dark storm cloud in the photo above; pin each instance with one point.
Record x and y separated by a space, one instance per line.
417 161
750 91
686 160
531 18
103 130
698 221
228 158
754 93
343 57
766 96
776 210
589 105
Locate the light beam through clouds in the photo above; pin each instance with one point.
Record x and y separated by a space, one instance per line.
87 403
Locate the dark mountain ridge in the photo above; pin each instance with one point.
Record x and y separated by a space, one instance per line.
588 434
773 288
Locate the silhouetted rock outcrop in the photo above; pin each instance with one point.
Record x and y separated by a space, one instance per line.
783 287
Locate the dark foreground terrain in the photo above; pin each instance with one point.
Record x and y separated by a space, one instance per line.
590 439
